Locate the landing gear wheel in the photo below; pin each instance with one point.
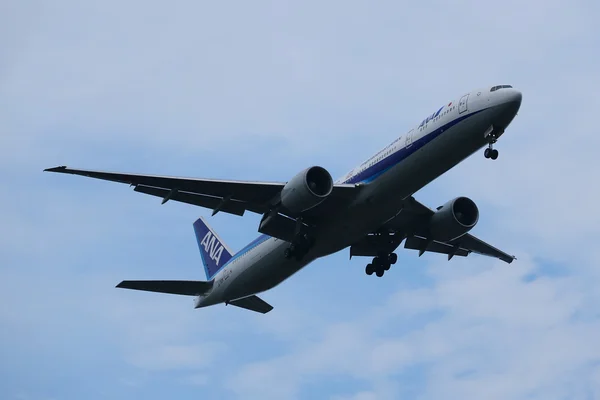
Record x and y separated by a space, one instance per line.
392 258
494 154
381 263
487 153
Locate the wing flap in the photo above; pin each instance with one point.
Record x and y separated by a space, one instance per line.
235 207
253 303
372 245
186 288
421 244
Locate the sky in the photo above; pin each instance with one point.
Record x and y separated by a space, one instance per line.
261 90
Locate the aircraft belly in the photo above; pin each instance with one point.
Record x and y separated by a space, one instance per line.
266 273
379 201
434 159
383 198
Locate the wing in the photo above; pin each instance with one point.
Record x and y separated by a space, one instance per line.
230 196
406 225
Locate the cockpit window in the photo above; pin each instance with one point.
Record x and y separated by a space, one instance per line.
493 89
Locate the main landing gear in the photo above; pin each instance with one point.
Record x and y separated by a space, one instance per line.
300 246
381 263
490 152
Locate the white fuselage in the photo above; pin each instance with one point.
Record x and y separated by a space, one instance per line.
441 141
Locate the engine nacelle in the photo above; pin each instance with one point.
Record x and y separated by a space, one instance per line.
453 219
307 189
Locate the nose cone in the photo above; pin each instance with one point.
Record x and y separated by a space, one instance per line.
513 96
509 106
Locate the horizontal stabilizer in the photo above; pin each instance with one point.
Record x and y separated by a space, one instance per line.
186 288
253 303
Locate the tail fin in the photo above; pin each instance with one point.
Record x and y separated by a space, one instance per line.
213 250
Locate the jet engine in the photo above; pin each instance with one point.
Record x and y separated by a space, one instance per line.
307 189
454 219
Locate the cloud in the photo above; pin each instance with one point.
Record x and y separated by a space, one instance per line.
197 380
177 356
278 71
358 396
496 335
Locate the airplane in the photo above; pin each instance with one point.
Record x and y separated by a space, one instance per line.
370 210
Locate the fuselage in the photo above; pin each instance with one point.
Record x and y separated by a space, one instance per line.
443 139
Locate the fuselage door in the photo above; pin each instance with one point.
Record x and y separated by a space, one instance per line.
462 104
409 139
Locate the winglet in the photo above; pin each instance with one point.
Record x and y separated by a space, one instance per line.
56 169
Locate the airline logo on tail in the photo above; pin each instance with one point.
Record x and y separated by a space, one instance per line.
214 252
213 248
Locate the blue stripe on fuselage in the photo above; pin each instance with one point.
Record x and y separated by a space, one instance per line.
374 171
255 243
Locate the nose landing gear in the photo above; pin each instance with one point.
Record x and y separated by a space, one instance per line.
381 263
490 152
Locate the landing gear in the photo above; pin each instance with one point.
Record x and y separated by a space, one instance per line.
490 152
381 263
299 247
392 258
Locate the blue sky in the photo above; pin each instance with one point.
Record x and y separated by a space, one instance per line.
261 90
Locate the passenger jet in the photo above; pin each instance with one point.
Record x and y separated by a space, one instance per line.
370 210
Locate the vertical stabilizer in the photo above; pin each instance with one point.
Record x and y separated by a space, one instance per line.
213 250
